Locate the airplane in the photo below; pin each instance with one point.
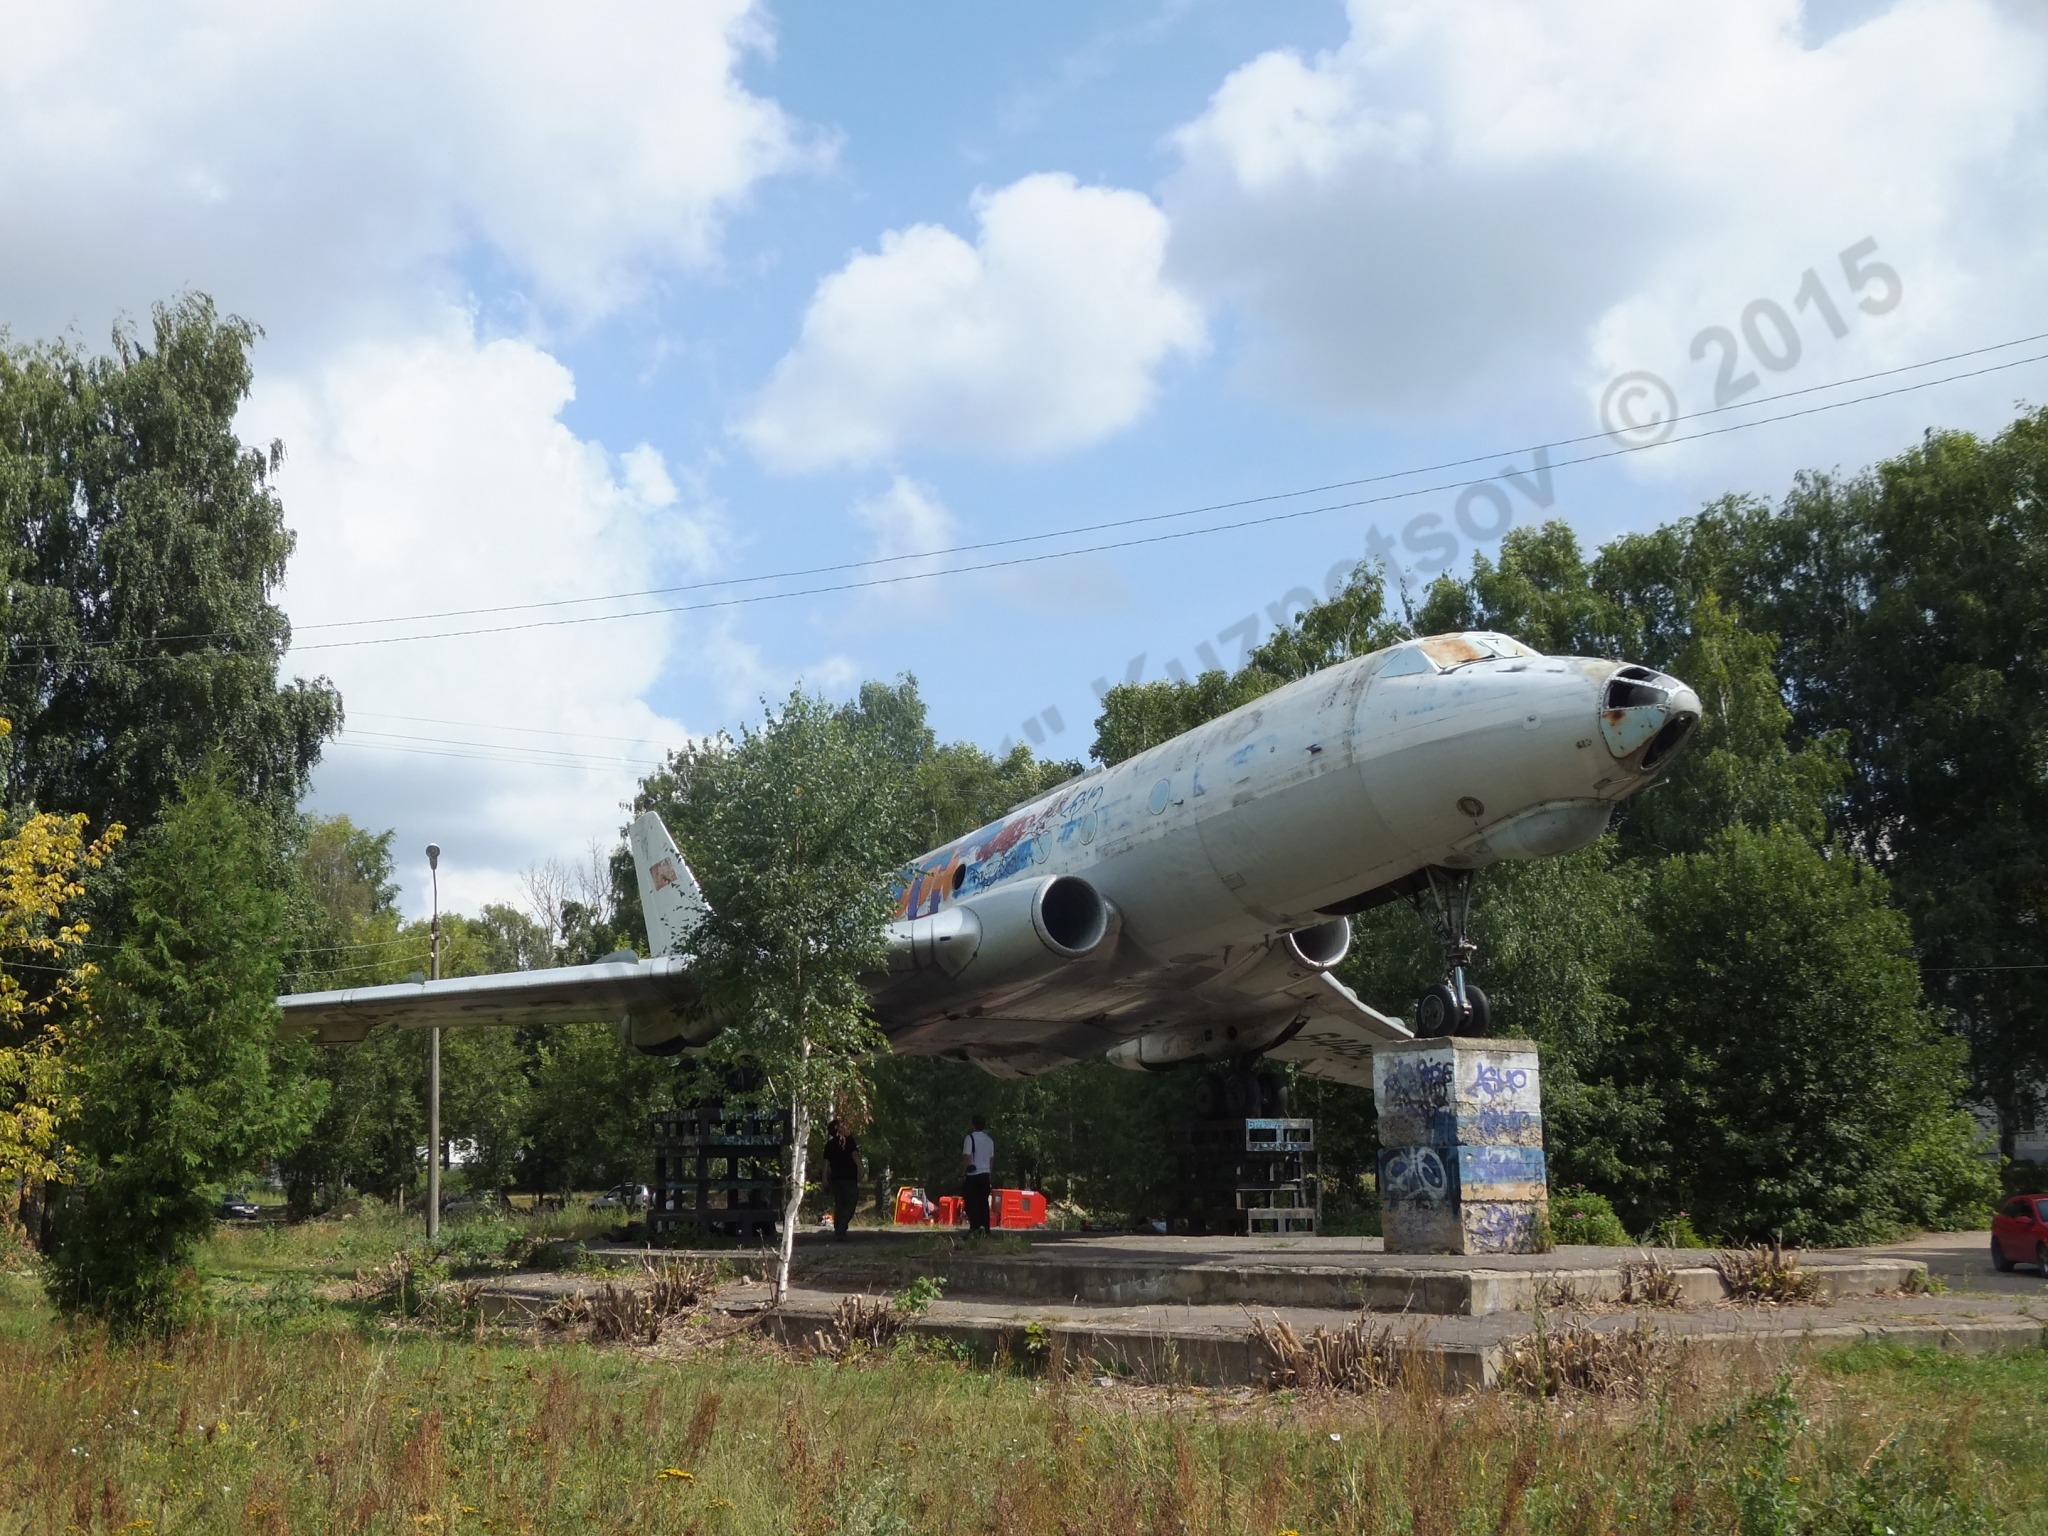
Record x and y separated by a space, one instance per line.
1189 904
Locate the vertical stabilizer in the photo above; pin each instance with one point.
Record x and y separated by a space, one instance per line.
669 895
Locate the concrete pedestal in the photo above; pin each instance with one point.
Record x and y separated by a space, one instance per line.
1461 1146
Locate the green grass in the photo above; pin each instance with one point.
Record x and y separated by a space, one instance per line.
287 1412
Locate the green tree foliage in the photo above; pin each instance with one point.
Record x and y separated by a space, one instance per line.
1778 1024
541 1109
142 543
795 830
182 1081
588 1109
1911 601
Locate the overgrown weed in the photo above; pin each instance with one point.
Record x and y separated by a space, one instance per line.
1767 1276
221 1431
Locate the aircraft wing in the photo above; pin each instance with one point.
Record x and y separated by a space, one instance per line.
654 994
1336 1040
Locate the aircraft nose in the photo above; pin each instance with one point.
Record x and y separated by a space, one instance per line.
1646 717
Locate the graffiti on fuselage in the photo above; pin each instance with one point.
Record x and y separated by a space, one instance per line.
999 851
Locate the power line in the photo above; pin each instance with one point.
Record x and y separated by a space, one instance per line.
1156 538
485 725
483 754
347 970
537 753
105 648
1156 517
1958 970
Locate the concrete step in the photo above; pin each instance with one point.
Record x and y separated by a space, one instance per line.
1330 1274
1214 1345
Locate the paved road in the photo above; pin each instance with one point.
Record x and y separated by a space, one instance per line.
1962 1260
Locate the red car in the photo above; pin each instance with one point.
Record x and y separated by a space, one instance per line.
2019 1233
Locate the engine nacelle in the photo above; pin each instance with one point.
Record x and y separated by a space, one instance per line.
1288 960
1165 1048
1019 929
1266 973
662 1035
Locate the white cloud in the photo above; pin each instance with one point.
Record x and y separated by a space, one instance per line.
360 177
1471 202
435 474
907 519
1046 334
314 164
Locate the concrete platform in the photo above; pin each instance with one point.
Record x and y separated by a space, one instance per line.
1214 1345
1181 1309
1345 1274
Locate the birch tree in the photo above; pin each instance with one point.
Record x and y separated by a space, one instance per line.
795 829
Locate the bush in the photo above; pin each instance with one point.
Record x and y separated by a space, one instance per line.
1807 1090
1675 1232
1579 1216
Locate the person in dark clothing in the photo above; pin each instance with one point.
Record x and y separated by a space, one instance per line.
842 1172
978 1154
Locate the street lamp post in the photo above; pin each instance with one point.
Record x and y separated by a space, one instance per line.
434 1061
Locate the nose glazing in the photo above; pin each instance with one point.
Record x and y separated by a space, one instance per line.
1646 716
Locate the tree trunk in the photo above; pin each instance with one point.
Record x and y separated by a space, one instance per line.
793 1193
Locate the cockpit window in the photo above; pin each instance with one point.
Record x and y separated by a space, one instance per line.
1449 651
1405 661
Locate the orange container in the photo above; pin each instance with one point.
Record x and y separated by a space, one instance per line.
1016 1208
952 1210
912 1208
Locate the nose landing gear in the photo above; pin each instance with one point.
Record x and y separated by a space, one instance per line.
1454 1006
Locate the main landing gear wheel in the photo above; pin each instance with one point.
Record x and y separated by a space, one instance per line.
1478 1012
1436 1012
1239 1092
1453 1006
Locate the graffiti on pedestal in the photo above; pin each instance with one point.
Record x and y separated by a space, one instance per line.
1414 1176
1502 1228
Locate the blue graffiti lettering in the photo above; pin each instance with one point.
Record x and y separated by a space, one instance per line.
1491 1081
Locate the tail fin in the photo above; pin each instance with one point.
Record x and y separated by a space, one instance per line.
669 896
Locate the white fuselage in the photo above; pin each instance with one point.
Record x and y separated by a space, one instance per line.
1451 752
1260 821
1185 905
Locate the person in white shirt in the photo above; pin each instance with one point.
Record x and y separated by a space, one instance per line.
978 1154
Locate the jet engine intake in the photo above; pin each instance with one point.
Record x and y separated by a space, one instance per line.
1286 961
1322 946
1640 706
1020 928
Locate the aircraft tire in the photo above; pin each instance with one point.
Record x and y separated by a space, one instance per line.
1209 1096
1242 1098
1436 1013
1273 1091
1478 1012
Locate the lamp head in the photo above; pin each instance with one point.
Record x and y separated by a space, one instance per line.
433 855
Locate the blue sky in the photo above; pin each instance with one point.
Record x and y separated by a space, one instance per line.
561 304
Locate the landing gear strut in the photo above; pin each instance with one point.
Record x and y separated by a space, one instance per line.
1238 1090
1454 1006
